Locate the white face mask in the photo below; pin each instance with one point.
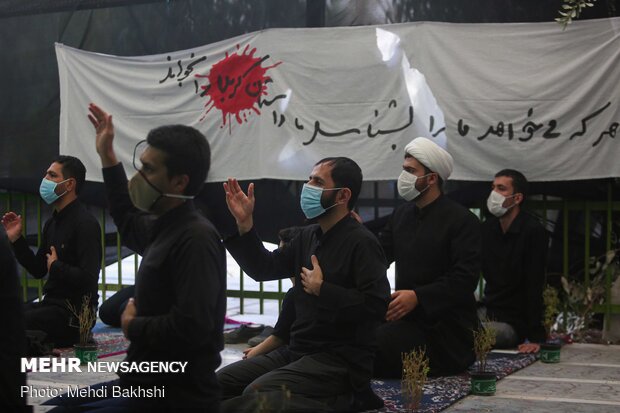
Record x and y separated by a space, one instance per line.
495 203
406 186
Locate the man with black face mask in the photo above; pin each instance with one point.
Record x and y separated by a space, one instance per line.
514 258
340 295
177 314
435 244
69 253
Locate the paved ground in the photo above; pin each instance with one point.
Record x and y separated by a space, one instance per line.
586 380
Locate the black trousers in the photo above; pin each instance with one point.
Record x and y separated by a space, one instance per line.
448 346
313 383
395 338
54 319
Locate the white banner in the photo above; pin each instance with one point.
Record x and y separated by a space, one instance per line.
525 96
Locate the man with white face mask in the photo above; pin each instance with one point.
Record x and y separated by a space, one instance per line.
514 256
435 244
70 252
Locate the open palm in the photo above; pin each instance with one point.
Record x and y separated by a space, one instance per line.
240 205
12 224
104 128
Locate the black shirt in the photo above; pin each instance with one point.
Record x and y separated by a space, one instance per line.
353 298
513 266
180 294
437 254
76 235
286 318
13 339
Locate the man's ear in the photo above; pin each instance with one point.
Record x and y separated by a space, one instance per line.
344 195
70 185
518 198
179 183
433 178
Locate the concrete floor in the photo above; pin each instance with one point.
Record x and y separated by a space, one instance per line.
586 380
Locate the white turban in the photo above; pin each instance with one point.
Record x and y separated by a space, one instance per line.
431 155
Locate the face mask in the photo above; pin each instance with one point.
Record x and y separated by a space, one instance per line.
495 203
311 201
47 190
406 185
144 194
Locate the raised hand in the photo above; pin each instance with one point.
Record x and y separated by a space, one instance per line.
12 224
104 128
240 205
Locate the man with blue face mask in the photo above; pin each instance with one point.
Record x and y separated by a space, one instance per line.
435 244
340 296
514 258
70 252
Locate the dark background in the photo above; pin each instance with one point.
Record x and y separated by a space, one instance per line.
29 89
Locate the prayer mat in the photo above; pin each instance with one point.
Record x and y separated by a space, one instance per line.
441 392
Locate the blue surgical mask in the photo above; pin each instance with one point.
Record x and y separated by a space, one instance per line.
47 190
311 201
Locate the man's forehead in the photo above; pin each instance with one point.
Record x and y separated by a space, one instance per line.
503 180
322 170
152 155
412 162
55 167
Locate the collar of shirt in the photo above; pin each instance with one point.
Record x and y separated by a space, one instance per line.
325 237
421 213
515 227
68 210
172 217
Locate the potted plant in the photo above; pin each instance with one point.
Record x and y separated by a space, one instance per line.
86 316
582 297
415 372
482 381
550 350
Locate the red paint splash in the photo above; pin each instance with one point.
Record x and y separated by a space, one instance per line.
236 84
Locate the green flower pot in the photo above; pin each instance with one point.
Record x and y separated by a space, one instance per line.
85 353
550 353
483 383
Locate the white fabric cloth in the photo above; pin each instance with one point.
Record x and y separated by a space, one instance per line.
431 155
526 96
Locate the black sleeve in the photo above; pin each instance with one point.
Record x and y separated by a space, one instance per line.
13 339
457 286
199 282
386 239
260 263
282 329
369 298
132 224
85 274
534 267
35 264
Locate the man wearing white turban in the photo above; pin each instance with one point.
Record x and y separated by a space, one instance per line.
435 243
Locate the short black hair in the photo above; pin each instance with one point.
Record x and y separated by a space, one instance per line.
187 153
72 167
519 182
345 174
286 235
